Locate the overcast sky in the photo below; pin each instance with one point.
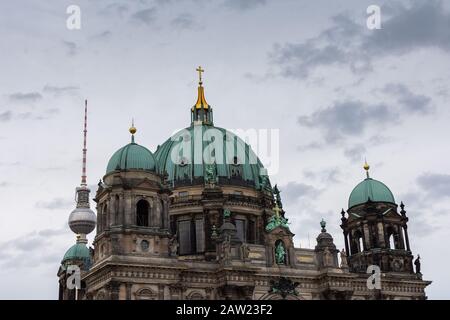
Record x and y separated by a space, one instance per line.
337 91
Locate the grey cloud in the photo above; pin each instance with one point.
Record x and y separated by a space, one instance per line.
244 4
25 250
38 116
412 200
335 45
5 116
71 47
25 97
355 153
4 184
297 60
60 90
310 146
410 101
435 185
55 204
324 175
377 140
52 232
423 24
102 36
421 227
293 191
119 9
183 21
306 219
347 118
146 16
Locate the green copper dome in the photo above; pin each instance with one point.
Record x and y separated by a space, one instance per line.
188 154
132 156
370 189
78 251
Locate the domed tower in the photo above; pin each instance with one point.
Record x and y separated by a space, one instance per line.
82 222
375 233
211 170
132 206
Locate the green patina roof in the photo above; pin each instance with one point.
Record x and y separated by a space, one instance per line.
132 156
370 189
251 171
78 251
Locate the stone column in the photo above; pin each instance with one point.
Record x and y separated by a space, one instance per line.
121 210
350 240
107 215
405 227
400 237
129 209
381 237
128 291
367 239
347 251
113 204
99 208
113 288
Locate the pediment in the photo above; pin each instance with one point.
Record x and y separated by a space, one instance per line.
146 184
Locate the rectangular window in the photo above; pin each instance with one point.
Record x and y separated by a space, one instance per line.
184 236
237 192
240 227
183 194
200 235
251 231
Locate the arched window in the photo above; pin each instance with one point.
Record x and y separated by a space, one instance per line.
391 238
146 294
142 213
357 238
195 295
391 242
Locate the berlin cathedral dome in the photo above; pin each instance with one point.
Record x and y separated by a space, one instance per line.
230 166
370 189
132 156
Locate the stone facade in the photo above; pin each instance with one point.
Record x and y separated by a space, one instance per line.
145 262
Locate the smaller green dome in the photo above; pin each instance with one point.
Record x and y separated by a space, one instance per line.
79 251
370 189
132 156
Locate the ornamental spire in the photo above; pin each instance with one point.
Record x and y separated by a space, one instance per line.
366 167
201 101
132 130
83 170
201 111
200 70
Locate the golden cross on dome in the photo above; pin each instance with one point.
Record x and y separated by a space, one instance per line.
200 70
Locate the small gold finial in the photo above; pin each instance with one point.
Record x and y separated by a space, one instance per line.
366 167
132 128
200 70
